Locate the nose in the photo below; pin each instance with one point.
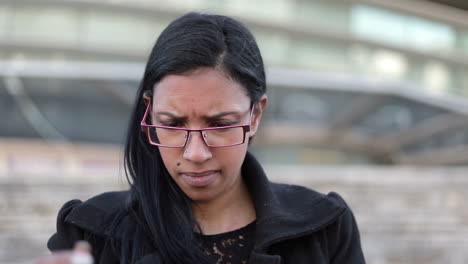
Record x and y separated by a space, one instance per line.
196 149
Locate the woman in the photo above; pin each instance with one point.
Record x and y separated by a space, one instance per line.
197 195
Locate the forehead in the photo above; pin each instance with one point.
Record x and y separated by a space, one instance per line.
204 89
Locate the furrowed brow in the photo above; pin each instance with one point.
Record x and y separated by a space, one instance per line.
172 116
221 115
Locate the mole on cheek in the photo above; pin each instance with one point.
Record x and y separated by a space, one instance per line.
178 163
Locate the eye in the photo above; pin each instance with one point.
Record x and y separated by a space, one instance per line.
170 123
222 123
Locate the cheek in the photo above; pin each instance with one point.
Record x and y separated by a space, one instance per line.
171 158
233 158
230 158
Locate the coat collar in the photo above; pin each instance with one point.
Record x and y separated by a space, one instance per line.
285 211
97 214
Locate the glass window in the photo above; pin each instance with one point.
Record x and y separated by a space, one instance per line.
273 46
460 81
215 4
389 64
319 54
360 57
329 13
279 10
369 22
436 78
462 41
177 4
119 30
429 35
45 23
4 18
415 70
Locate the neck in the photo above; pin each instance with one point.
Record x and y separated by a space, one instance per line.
226 213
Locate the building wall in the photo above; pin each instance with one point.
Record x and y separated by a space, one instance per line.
362 37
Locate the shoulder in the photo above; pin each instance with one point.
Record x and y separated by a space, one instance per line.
78 220
96 213
300 207
344 240
316 211
322 216
300 198
100 208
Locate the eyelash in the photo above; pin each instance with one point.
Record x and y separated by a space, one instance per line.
170 124
222 124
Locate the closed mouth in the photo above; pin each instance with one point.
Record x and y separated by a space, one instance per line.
199 174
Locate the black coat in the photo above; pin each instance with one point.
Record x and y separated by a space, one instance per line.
294 225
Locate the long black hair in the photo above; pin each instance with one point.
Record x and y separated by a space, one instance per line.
159 210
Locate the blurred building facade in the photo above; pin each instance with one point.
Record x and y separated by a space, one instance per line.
350 82
373 82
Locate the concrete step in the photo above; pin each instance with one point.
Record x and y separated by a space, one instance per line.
405 215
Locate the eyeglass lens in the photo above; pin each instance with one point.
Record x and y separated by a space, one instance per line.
213 137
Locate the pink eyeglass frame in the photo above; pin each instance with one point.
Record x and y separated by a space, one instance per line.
146 127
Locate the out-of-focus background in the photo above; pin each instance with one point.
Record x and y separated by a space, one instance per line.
368 98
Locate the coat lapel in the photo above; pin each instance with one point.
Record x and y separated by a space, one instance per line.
285 211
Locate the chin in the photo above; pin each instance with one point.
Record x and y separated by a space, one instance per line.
201 197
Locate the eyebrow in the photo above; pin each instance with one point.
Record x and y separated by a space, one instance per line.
213 117
173 116
220 115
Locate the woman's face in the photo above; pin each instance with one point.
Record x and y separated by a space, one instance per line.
200 99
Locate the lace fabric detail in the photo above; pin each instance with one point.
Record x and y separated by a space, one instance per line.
232 247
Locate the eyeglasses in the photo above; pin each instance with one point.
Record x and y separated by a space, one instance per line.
175 137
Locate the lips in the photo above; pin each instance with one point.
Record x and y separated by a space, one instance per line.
199 174
199 179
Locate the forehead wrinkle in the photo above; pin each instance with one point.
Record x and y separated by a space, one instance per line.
177 97
171 115
199 116
221 114
202 109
